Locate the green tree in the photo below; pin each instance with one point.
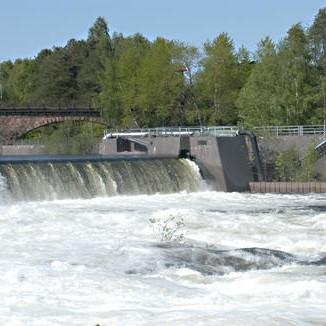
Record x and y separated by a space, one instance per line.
55 80
71 75
317 42
99 37
287 164
143 84
317 39
100 51
294 88
70 137
245 65
121 82
218 82
5 71
19 85
307 169
188 111
257 100
161 83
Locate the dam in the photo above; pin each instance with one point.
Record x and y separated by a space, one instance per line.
227 157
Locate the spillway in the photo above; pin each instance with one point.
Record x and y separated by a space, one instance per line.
59 180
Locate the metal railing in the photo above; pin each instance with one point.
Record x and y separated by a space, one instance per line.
221 131
50 111
290 130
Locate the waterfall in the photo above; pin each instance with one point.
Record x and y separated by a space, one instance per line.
47 181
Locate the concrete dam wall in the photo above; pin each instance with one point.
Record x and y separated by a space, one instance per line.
224 161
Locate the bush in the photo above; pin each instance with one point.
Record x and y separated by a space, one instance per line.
289 166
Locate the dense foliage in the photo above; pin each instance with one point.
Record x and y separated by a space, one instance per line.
137 82
289 166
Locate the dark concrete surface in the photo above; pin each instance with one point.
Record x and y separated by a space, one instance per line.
16 159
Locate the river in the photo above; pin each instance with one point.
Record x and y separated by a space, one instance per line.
159 258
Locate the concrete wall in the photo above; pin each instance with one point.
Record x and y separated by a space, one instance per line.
271 145
22 150
206 153
235 161
156 146
108 147
223 161
161 146
288 187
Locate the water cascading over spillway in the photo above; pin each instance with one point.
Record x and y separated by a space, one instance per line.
46 181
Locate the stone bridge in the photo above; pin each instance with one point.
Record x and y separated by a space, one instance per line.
16 122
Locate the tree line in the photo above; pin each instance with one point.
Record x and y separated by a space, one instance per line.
141 83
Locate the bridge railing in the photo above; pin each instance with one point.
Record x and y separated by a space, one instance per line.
49 111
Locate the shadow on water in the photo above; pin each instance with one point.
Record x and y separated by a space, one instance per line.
210 261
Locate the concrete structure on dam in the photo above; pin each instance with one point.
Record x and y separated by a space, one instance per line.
227 159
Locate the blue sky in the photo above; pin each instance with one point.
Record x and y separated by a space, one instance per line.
27 26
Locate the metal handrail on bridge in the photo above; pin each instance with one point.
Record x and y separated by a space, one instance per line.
225 131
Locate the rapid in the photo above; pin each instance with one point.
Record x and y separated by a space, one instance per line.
146 243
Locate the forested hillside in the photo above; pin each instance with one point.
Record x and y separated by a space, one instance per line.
137 82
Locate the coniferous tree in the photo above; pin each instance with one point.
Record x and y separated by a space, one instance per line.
317 39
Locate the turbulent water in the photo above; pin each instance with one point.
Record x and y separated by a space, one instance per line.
185 258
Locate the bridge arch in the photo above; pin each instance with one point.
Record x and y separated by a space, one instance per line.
15 123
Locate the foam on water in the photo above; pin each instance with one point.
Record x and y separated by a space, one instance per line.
89 261
4 191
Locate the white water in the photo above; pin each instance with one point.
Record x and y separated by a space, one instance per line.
68 262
